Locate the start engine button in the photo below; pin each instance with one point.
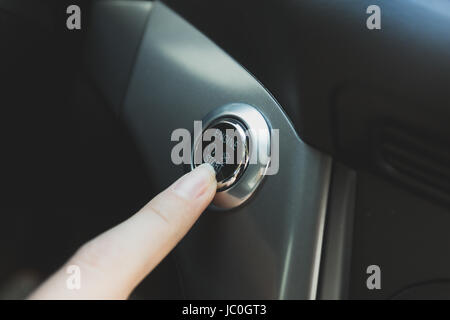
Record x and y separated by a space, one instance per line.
236 140
224 145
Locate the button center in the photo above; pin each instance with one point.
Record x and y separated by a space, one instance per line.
224 145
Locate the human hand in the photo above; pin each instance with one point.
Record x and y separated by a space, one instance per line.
115 262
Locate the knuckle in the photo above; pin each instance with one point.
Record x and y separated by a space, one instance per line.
171 208
181 202
160 214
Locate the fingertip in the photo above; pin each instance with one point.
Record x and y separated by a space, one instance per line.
210 191
195 183
209 168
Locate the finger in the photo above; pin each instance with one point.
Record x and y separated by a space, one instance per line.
111 265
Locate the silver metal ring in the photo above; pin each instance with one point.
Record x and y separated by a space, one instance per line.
241 186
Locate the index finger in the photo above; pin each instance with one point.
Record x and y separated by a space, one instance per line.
112 264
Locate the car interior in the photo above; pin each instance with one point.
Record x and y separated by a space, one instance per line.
362 117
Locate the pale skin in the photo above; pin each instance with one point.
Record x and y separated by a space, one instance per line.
115 262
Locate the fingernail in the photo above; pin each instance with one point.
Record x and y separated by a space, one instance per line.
194 184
